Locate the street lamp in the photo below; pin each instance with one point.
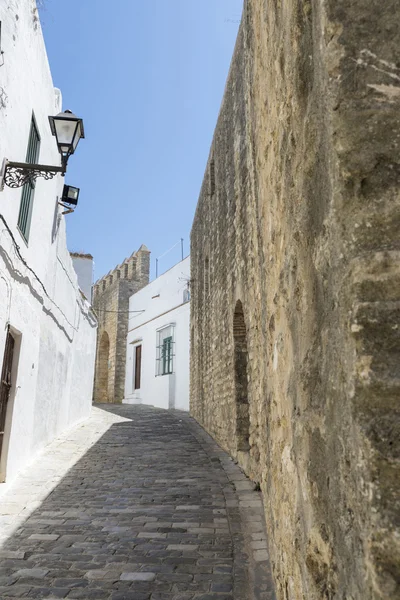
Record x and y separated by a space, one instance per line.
68 130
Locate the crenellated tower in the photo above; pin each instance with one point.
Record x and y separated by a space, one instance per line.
111 296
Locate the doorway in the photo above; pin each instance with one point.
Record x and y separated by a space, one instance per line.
5 385
138 367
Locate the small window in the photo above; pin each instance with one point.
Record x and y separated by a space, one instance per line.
138 366
165 351
32 156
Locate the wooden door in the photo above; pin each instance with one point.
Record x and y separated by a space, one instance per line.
138 366
5 384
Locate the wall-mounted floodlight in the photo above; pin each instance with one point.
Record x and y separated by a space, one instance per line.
69 198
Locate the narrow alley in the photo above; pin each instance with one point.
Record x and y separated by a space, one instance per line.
134 504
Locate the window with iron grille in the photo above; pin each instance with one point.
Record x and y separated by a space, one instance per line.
165 351
25 209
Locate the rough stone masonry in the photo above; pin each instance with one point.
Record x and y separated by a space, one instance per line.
295 255
111 296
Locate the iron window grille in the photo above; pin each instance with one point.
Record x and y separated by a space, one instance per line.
165 351
28 190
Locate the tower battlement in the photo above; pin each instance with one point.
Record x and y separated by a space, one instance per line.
111 295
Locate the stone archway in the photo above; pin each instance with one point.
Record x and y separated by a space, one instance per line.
241 381
101 382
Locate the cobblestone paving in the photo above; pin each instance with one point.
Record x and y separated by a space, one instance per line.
153 511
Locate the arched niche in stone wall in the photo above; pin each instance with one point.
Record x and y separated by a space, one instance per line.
102 369
241 381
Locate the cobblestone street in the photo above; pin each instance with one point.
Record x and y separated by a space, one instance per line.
136 504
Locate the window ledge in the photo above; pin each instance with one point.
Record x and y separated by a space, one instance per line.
23 237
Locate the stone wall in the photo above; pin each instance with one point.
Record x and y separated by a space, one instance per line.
297 227
111 296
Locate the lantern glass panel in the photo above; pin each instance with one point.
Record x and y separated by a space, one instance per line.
78 135
65 130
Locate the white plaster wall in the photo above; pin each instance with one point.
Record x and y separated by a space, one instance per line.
39 295
162 304
84 269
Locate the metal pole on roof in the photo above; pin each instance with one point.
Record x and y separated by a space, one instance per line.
162 255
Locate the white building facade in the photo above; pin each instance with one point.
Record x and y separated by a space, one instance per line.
84 267
47 327
158 345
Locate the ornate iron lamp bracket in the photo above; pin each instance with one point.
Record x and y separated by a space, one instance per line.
16 174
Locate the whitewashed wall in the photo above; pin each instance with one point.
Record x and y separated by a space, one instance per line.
83 265
40 300
162 303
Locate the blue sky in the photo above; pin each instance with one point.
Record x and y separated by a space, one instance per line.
147 77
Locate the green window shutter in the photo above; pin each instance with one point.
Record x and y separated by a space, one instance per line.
25 209
167 356
165 350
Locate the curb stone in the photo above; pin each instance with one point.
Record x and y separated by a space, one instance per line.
253 578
